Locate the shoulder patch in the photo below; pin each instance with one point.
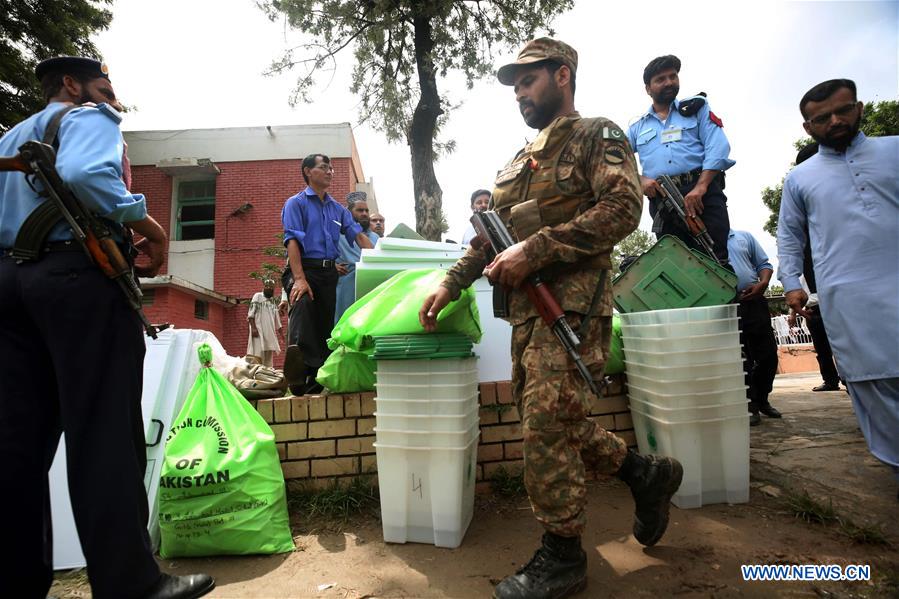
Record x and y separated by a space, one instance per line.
613 133
614 154
715 119
111 112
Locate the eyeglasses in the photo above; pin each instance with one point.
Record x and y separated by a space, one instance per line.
324 166
823 119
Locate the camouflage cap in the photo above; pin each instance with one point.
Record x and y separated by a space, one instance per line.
538 50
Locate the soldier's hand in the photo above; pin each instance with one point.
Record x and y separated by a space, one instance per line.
693 200
282 307
342 268
797 299
431 307
651 187
300 288
510 267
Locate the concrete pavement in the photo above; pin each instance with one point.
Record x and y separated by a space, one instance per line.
818 448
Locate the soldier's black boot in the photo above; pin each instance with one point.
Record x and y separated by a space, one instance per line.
558 569
653 480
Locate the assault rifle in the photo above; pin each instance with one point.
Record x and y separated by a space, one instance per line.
38 161
491 228
672 206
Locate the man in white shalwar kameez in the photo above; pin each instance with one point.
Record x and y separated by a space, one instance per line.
848 196
265 324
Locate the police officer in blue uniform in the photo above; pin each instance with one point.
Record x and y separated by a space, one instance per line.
685 140
73 354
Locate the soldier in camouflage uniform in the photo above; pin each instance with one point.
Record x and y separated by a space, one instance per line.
568 197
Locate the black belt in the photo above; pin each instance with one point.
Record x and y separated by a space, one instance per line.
316 263
69 245
684 179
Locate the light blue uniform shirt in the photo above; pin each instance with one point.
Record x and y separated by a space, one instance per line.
317 225
747 257
89 161
850 203
702 143
350 254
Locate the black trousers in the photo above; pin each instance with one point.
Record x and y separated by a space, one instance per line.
714 215
310 321
72 361
759 351
822 347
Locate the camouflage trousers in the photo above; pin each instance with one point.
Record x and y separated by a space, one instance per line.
560 441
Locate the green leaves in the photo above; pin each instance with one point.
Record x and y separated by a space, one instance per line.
32 31
400 49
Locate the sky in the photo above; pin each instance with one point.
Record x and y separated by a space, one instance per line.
199 64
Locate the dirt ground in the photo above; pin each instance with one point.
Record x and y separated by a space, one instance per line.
700 556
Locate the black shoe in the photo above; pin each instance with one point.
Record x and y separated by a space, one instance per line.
298 390
181 587
558 569
826 387
754 419
295 369
769 411
313 388
653 481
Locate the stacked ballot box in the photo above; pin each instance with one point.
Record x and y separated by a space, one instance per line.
687 395
426 443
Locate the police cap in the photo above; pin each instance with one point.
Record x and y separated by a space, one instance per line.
72 65
539 50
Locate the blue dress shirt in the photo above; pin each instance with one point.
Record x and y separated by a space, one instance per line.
702 143
747 257
317 224
89 161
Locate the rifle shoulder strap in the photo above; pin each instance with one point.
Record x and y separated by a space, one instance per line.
42 219
52 131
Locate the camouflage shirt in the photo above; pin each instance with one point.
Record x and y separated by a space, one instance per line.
596 160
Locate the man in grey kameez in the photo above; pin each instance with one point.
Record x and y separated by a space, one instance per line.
848 197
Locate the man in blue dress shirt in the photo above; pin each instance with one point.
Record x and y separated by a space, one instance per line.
313 222
350 254
685 140
754 272
847 197
69 328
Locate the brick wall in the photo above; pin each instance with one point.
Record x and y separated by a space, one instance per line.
240 239
323 438
177 307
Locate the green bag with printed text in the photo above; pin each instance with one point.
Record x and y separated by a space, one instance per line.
221 490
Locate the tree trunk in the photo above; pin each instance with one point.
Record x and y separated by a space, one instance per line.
428 195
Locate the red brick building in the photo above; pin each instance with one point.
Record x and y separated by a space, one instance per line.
218 193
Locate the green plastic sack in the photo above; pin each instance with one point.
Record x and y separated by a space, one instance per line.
347 371
221 490
392 308
615 363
